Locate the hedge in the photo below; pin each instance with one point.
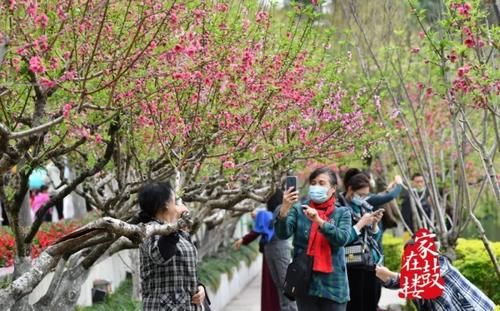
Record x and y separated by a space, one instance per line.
212 267
472 261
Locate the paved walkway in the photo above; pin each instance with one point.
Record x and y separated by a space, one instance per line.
249 298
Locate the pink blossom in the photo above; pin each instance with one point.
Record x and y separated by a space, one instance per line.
36 65
228 164
66 55
12 5
464 9
470 42
21 51
60 13
314 2
178 48
466 30
32 8
221 7
462 71
245 24
261 17
46 83
415 50
42 20
69 75
199 14
54 63
16 64
84 132
453 56
421 34
67 109
41 44
173 18
98 138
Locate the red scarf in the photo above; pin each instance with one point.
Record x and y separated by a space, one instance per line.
318 245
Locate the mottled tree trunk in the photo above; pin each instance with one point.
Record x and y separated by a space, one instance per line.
136 277
68 291
21 266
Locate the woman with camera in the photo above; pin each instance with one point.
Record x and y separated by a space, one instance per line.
320 229
362 249
168 262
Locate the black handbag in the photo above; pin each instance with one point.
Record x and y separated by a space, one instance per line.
358 255
298 276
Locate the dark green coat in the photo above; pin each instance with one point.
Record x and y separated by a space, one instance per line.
334 285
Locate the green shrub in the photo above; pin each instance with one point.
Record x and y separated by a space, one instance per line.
120 300
393 249
472 261
211 268
475 264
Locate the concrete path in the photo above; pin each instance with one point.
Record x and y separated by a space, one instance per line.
249 298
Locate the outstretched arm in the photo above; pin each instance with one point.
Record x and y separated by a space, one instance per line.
384 197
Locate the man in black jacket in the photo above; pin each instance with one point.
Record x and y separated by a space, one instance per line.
422 194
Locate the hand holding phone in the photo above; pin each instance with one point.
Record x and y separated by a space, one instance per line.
290 195
291 182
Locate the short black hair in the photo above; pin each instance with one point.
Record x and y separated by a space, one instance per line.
416 175
324 170
275 200
358 181
152 198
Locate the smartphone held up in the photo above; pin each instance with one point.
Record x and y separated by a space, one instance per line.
291 182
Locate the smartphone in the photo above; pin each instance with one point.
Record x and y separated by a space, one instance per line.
291 182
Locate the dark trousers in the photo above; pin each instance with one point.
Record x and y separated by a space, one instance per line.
311 303
60 208
278 253
364 289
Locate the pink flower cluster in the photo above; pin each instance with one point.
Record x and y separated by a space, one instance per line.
41 44
67 109
471 41
42 20
462 82
46 83
463 9
36 65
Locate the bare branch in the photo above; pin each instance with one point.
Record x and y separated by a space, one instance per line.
37 129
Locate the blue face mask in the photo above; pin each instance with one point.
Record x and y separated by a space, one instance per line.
318 194
357 200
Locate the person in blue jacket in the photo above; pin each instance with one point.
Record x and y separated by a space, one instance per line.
377 200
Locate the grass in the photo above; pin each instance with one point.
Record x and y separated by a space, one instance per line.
120 300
